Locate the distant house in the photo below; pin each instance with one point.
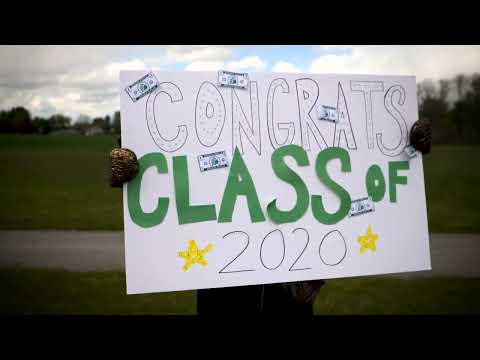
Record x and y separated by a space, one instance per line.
94 130
65 132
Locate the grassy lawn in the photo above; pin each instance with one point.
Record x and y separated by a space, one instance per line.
26 291
60 182
452 184
387 296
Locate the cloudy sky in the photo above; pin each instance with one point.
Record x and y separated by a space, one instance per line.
76 80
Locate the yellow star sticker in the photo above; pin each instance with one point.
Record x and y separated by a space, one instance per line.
193 255
367 241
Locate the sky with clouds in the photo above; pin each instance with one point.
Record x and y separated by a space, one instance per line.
76 80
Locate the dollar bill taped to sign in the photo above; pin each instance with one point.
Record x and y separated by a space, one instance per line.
410 151
232 79
327 113
249 179
213 161
361 206
143 86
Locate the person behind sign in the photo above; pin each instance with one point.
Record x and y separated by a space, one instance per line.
294 298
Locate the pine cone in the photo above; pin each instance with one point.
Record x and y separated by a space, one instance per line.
421 136
124 165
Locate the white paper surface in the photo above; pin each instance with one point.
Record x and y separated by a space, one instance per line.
190 104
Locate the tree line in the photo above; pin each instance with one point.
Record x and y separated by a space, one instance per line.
19 120
452 106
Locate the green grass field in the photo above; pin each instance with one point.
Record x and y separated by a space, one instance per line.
60 182
27 291
452 176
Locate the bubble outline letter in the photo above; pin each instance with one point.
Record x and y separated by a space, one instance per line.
397 115
305 106
344 125
241 122
168 145
208 94
366 88
289 127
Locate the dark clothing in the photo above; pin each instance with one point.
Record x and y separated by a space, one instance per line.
278 301
230 300
270 299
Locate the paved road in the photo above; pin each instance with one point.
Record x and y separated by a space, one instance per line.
452 254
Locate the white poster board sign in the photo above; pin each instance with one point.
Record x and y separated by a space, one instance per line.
295 177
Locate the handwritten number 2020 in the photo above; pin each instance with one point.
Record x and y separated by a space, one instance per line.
240 234
300 255
261 250
230 234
